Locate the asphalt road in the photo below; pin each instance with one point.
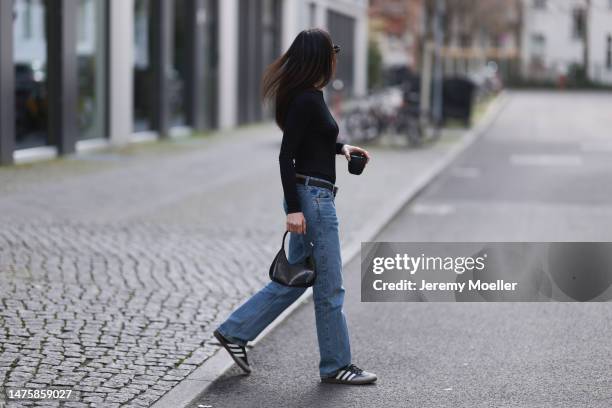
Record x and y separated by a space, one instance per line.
540 173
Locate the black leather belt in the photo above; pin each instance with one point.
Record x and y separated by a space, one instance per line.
309 181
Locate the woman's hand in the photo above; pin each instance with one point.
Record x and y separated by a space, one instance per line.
347 150
296 223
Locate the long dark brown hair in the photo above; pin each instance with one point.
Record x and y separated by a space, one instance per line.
310 62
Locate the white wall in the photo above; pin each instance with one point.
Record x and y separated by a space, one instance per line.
601 27
562 49
555 24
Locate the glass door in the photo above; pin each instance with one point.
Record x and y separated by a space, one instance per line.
31 98
211 61
178 75
143 69
91 53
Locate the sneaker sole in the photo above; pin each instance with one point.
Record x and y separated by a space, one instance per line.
240 363
335 381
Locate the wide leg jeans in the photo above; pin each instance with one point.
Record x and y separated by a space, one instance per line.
322 241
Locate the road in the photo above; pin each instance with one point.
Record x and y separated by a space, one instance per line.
116 266
540 173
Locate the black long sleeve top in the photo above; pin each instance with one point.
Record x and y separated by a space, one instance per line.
309 144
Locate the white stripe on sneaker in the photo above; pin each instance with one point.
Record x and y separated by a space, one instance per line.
351 377
340 374
346 376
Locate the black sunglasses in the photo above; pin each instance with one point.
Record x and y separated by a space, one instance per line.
336 49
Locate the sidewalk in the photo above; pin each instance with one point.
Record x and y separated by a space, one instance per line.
117 266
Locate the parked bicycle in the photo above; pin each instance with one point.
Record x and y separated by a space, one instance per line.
392 111
420 127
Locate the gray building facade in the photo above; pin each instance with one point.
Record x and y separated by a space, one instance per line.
79 74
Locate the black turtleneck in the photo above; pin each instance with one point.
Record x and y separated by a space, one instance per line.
309 139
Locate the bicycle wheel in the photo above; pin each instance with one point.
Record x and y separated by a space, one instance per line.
414 133
362 126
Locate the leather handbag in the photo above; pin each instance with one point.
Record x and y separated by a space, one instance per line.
299 275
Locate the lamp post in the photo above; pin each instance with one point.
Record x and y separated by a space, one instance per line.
432 70
438 66
585 39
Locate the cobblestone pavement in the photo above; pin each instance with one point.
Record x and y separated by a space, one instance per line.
116 266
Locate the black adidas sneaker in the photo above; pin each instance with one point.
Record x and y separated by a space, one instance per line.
236 351
351 375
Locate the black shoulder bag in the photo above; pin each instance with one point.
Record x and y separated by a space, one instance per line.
300 275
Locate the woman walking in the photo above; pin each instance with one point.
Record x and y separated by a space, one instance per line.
308 175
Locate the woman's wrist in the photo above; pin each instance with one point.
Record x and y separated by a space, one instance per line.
340 148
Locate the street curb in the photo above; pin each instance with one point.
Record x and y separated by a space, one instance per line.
215 366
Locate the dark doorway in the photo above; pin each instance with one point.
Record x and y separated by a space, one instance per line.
31 73
259 45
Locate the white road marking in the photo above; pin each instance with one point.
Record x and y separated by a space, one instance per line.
466 172
545 160
432 209
596 147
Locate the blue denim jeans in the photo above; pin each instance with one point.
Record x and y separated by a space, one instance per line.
246 322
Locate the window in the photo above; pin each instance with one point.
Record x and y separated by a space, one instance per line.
258 45
27 20
143 68
30 61
578 23
537 55
83 18
178 78
211 65
91 55
539 4
609 52
538 44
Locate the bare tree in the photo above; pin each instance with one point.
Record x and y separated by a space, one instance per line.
469 20
585 38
